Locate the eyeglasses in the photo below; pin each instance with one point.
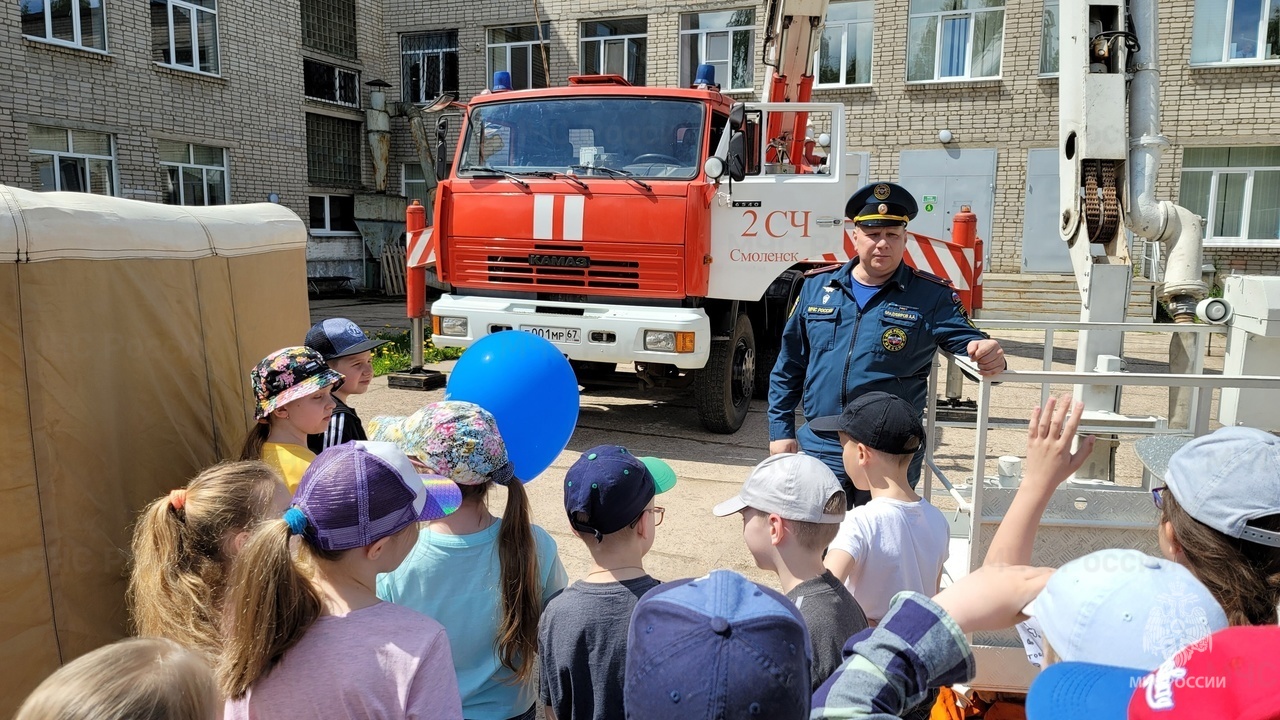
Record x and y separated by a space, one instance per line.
657 515
1158 497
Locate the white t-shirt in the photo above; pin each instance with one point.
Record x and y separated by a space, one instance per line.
895 546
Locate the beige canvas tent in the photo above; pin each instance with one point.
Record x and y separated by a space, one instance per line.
127 333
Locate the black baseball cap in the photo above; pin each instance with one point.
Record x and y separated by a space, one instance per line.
339 337
880 421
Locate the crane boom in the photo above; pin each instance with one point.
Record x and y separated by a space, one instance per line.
791 39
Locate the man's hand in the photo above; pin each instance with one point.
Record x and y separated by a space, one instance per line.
787 445
992 597
1049 435
987 355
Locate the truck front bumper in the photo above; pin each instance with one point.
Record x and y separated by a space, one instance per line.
582 331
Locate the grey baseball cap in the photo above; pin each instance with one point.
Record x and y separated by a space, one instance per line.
1227 478
792 486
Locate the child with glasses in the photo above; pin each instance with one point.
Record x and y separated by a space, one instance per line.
609 499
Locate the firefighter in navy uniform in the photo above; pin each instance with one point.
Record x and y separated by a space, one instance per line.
873 324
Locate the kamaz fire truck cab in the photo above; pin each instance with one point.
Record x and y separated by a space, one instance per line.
664 227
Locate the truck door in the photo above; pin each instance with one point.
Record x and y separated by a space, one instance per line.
787 210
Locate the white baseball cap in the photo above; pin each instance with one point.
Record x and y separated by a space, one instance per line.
1125 608
790 485
1227 478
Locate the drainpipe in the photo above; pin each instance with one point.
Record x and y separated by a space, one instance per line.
1177 228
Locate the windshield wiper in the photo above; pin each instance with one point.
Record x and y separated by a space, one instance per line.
495 172
615 173
554 174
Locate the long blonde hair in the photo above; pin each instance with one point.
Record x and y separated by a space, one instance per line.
134 679
179 562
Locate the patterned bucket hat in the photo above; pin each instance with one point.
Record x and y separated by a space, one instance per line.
458 440
288 374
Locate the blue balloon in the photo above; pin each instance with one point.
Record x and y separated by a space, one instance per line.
531 390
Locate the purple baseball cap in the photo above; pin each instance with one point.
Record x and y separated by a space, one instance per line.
718 646
357 493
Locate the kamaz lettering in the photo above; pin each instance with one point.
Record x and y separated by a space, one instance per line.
571 261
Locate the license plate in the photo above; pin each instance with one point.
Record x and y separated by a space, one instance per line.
554 334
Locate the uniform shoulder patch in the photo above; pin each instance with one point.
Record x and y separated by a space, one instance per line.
930 276
821 270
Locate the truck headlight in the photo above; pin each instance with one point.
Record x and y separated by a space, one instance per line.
668 341
449 326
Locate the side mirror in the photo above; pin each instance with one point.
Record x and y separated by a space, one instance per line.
737 115
442 128
442 163
737 156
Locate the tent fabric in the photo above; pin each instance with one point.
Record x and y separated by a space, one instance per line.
122 377
37 227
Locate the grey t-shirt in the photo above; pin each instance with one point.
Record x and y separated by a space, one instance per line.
582 648
833 616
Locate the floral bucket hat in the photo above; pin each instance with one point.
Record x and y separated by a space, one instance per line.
458 440
288 374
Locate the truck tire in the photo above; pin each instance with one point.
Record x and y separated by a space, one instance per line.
722 390
765 360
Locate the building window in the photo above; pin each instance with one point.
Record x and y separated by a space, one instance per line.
184 34
413 184
1049 39
1235 31
522 51
954 39
72 160
615 47
330 27
333 151
844 57
1236 190
333 215
82 24
724 40
197 173
428 65
322 81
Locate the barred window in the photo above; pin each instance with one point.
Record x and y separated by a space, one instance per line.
333 151
428 65
330 26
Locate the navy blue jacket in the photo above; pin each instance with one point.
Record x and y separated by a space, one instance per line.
832 352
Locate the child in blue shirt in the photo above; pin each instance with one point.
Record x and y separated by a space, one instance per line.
486 579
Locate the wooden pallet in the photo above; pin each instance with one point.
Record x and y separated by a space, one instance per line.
394 261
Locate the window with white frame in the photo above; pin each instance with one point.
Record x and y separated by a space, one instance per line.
954 39
333 151
413 184
724 40
329 83
184 34
428 65
82 24
1235 31
1237 191
521 50
615 47
197 173
72 160
844 56
333 214
1049 39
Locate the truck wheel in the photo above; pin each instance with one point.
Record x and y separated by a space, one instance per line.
764 368
722 390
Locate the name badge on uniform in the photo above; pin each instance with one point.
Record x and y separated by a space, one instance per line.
819 310
907 315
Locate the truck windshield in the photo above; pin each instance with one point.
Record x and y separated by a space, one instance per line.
608 137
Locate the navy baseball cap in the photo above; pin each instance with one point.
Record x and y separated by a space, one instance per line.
718 646
339 337
878 420
608 488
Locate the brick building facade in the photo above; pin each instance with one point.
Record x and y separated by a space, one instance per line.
905 69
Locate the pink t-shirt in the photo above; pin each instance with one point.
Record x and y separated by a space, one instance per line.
383 661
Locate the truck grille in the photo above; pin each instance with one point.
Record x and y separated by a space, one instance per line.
613 269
